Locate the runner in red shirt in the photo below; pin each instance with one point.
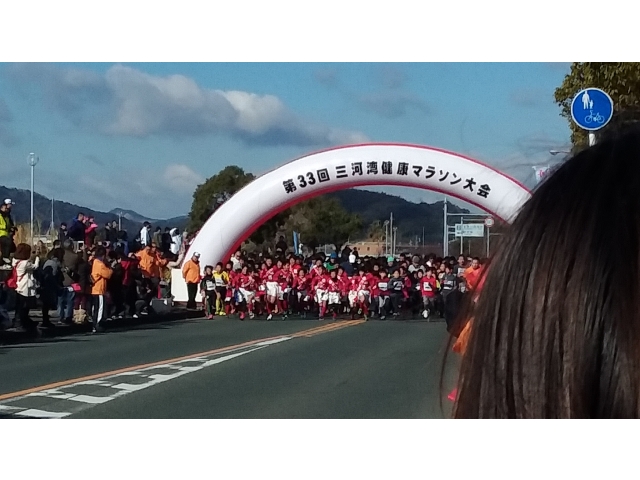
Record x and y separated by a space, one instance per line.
302 289
272 276
246 285
320 286
334 289
429 288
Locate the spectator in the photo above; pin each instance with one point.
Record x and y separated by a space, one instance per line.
165 242
82 296
100 274
112 233
51 283
115 286
472 274
150 265
145 234
131 274
66 298
236 261
191 275
6 231
63 233
26 284
91 230
77 230
157 237
41 251
176 241
281 246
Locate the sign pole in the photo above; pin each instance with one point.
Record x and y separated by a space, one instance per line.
461 238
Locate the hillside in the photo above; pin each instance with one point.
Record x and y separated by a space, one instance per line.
409 217
65 212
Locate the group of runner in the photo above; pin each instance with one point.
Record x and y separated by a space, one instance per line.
367 288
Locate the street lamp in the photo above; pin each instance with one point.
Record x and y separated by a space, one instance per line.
33 161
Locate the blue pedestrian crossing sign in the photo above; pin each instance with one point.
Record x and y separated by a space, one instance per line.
591 109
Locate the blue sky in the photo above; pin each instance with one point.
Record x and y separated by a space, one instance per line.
142 136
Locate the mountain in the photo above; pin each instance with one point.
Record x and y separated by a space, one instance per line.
65 212
130 215
409 217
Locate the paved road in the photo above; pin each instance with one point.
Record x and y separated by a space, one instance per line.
231 369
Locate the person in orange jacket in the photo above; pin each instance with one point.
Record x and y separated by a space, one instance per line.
191 275
100 273
472 274
151 265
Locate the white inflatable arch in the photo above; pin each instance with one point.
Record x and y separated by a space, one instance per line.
354 166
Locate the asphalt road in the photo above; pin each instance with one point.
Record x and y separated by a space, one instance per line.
231 369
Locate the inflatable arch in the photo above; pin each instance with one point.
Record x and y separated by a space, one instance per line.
355 166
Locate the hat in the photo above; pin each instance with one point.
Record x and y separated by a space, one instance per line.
8 201
196 254
390 259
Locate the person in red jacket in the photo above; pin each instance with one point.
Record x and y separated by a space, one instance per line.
246 285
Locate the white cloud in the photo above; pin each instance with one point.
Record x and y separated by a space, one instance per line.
127 102
181 178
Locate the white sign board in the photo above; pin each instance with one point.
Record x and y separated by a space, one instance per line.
470 230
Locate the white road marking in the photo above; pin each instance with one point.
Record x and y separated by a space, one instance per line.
124 388
33 412
89 399
274 341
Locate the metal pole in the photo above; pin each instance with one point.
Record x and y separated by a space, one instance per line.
445 244
488 239
51 226
33 167
461 239
386 238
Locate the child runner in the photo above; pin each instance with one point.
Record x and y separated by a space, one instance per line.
429 289
321 285
334 296
383 295
208 291
302 287
221 279
272 288
246 291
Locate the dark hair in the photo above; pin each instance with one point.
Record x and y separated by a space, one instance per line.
100 251
23 251
555 330
208 266
63 224
57 253
219 264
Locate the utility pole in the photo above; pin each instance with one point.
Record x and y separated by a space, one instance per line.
391 232
445 238
33 161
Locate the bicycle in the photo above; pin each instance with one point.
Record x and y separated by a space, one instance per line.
597 118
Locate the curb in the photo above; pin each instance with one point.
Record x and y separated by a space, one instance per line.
62 330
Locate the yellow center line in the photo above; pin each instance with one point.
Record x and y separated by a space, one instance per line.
306 333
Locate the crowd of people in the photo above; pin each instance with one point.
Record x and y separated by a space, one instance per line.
283 285
91 275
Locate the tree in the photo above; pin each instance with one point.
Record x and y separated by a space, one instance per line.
375 233
216 190
322 220
620 80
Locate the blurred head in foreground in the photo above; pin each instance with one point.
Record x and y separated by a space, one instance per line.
556 330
